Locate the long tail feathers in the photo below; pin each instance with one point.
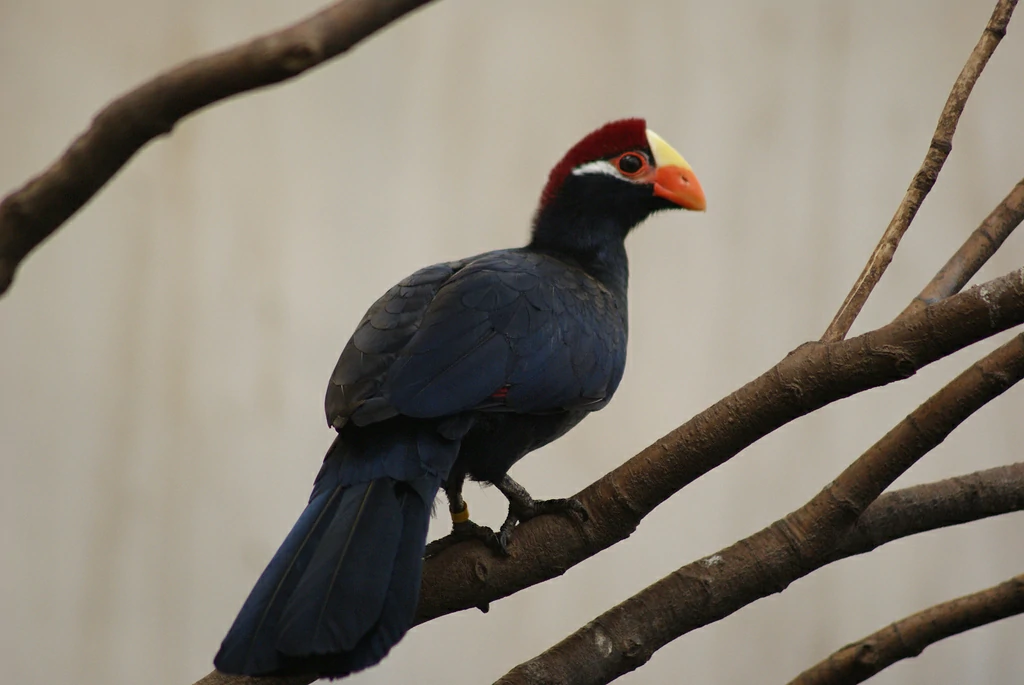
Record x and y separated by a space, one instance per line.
342 589
342 592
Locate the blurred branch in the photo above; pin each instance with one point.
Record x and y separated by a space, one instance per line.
924 179
976 250
218 678
624 638
33 212
908 637
935 505
468 575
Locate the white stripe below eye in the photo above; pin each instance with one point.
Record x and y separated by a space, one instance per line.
601 166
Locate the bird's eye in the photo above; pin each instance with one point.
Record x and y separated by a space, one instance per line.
630 163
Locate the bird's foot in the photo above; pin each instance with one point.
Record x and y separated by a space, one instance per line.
523 508
461 532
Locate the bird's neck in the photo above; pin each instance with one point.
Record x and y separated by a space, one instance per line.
597 244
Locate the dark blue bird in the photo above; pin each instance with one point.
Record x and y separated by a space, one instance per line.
459 370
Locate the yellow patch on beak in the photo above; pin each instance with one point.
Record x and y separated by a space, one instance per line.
665 154
674 180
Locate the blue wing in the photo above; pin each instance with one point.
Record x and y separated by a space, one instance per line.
505 331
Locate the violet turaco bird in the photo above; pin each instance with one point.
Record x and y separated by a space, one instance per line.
457 372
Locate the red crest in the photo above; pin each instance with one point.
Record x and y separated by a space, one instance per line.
607 141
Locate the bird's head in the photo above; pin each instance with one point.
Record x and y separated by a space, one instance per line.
623 172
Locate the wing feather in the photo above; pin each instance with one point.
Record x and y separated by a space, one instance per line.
537 331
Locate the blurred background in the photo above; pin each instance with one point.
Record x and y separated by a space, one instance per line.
163 358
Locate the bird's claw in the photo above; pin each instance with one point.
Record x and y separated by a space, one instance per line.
461 532
567 506
520 512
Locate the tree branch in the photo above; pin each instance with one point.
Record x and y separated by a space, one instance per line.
33 212
624 638
976 250
908 637
218 678
892 516
924 179
814 375
934 505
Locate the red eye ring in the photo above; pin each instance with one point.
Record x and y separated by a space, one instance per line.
631 164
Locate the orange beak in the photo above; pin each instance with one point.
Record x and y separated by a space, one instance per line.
679 185
674 180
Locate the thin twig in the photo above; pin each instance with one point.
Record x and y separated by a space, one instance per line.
33 212
908 637
624 638
924 179
976 250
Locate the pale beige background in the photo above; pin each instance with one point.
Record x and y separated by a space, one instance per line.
163 359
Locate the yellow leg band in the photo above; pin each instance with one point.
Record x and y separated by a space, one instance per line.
460 516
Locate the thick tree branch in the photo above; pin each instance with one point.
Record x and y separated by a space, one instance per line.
30 214
707 590
908 637
976 250
816 374
924 179
892 516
